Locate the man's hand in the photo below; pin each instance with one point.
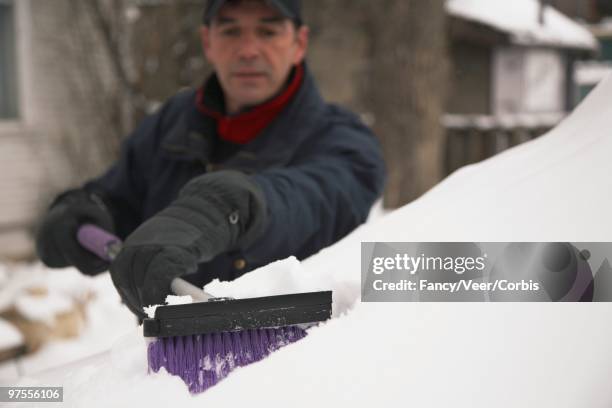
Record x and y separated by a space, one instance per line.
56 242
214 213
142 274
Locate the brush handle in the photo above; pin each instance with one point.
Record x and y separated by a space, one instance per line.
98 241
181 287
107 246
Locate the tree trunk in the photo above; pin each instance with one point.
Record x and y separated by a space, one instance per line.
406 92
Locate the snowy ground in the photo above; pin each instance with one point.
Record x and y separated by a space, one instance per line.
556 188
106 317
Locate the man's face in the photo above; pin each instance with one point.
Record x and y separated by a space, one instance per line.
253 49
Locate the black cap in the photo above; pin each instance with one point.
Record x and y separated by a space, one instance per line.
292 9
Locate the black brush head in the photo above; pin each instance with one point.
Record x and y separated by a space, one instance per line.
227 315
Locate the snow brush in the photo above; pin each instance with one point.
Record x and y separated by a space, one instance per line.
203 342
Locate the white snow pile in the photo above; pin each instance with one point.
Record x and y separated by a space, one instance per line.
520 18
555 188
44 309
9 336
106 317
63 285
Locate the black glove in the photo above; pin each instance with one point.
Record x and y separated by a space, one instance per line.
214 213
56 242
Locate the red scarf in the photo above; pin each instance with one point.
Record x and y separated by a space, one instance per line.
245 127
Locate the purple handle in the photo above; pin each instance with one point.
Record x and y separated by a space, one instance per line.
102 243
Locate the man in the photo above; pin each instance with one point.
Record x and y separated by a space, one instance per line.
252 167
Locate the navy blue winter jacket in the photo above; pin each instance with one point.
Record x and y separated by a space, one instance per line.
319 167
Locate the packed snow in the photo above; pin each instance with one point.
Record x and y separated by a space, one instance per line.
520 18
555 188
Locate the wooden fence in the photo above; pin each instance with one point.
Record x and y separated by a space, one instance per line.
473 138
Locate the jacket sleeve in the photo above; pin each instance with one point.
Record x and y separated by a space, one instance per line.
323 195
123 186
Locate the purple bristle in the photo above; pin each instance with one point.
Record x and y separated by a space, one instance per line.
202 361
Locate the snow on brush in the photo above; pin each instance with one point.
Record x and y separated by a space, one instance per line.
555 188
170 300
520 18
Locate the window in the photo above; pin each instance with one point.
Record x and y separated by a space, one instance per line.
8 65
606 49
529 80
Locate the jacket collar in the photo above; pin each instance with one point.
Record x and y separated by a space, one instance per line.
245 126
194 135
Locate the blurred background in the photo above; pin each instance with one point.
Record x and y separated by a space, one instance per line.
443 84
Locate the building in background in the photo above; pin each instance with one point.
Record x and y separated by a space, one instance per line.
592 72
588 11
8 63
596 16
48 114
19 175
513 74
